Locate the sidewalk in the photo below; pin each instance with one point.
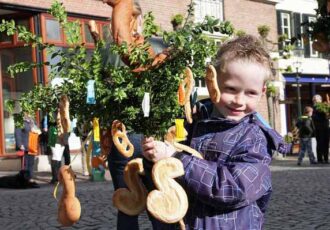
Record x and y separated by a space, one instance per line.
45 177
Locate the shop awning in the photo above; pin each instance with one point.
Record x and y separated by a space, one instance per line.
324 79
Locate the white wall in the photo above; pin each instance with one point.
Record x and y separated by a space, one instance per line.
299 6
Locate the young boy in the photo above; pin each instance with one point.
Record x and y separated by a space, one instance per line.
306 132
231 186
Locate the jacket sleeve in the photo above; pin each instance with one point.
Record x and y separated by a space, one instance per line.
242 179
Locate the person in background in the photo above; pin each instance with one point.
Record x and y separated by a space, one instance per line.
231 186
306 132
116 161
321 123
56 144
22 141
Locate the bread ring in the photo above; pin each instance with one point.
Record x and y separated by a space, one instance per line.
120 139
64 111
187 112
212 84
131 201
185 89
69 208
169 203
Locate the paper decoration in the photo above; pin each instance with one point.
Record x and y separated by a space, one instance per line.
45 122
179 130
96 129
146 104
90 92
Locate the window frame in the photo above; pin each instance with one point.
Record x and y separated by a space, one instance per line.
63 43
289 26
207 3
313 53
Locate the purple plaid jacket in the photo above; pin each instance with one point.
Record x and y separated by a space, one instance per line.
230 188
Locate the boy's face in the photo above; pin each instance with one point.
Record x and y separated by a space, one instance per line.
241 86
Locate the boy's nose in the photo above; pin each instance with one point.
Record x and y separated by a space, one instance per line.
239 99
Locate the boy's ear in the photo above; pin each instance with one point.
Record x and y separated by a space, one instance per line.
264 89
212 83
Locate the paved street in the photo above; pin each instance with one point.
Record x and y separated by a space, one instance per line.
300 200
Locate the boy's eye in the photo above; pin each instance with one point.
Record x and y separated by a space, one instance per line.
252 93
230 89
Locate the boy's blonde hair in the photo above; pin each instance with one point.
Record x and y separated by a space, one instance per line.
246 48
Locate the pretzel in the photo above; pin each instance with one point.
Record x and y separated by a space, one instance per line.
212 84
131 201
64 111
170 137
120 139
69 208
185 89
169 203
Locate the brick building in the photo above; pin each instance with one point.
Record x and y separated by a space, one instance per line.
246 15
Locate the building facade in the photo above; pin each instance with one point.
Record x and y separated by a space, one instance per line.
305 71
245 15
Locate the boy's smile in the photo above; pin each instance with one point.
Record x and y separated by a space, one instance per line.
241 87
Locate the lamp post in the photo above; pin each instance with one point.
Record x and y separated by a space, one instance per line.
298 53
298 92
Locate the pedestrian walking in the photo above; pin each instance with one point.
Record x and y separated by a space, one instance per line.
306 132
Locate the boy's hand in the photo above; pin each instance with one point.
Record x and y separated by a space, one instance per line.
156 150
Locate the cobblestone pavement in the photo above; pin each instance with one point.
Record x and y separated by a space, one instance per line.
301 196
300 200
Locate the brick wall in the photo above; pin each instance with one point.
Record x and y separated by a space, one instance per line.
248 15
162 10
244 14
88 7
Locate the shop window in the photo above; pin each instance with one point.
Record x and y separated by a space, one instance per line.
12 88
53 30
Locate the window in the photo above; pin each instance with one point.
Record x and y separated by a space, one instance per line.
25 23
12 88
4 38
286 24
13 40
53 30
208 7
313 52
88 35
